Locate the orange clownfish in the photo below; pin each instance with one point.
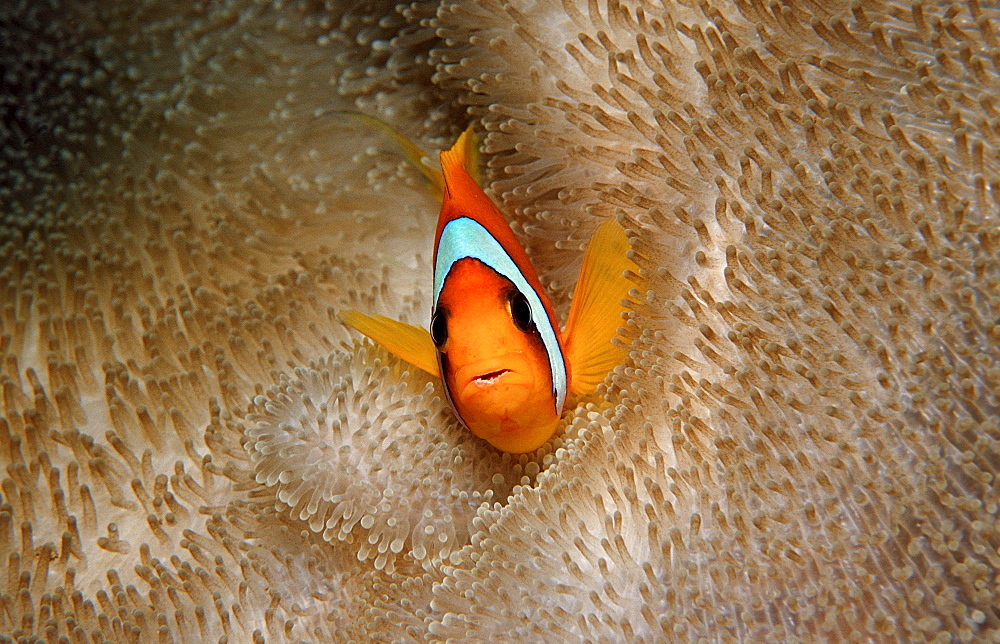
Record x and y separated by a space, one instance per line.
493 340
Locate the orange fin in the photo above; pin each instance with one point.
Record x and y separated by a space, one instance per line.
595 315
411 343
465 152
417 157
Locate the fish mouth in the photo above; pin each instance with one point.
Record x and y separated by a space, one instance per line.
490 377
486 375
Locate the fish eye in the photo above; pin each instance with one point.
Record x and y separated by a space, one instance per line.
520 312
439 328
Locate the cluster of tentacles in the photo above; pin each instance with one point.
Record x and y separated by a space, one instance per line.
804 440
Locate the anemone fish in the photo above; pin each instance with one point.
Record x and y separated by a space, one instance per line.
507 369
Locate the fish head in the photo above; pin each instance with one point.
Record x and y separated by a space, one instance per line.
492 359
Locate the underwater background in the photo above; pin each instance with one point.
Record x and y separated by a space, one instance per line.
802 445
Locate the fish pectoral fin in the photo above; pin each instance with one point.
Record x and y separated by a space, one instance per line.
411 343
596 311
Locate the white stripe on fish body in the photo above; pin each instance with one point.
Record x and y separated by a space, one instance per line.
464 237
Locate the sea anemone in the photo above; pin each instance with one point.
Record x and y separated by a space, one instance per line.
373 458
802 443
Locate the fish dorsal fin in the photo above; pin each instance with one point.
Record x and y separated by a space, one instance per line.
411 343
464 153
595 313
417 157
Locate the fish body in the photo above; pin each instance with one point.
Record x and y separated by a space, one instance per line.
498 345
507 369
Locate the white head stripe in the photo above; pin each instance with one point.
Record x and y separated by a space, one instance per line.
465 237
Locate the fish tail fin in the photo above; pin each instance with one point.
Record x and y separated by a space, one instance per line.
411 343
464 153
417 157
595 313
